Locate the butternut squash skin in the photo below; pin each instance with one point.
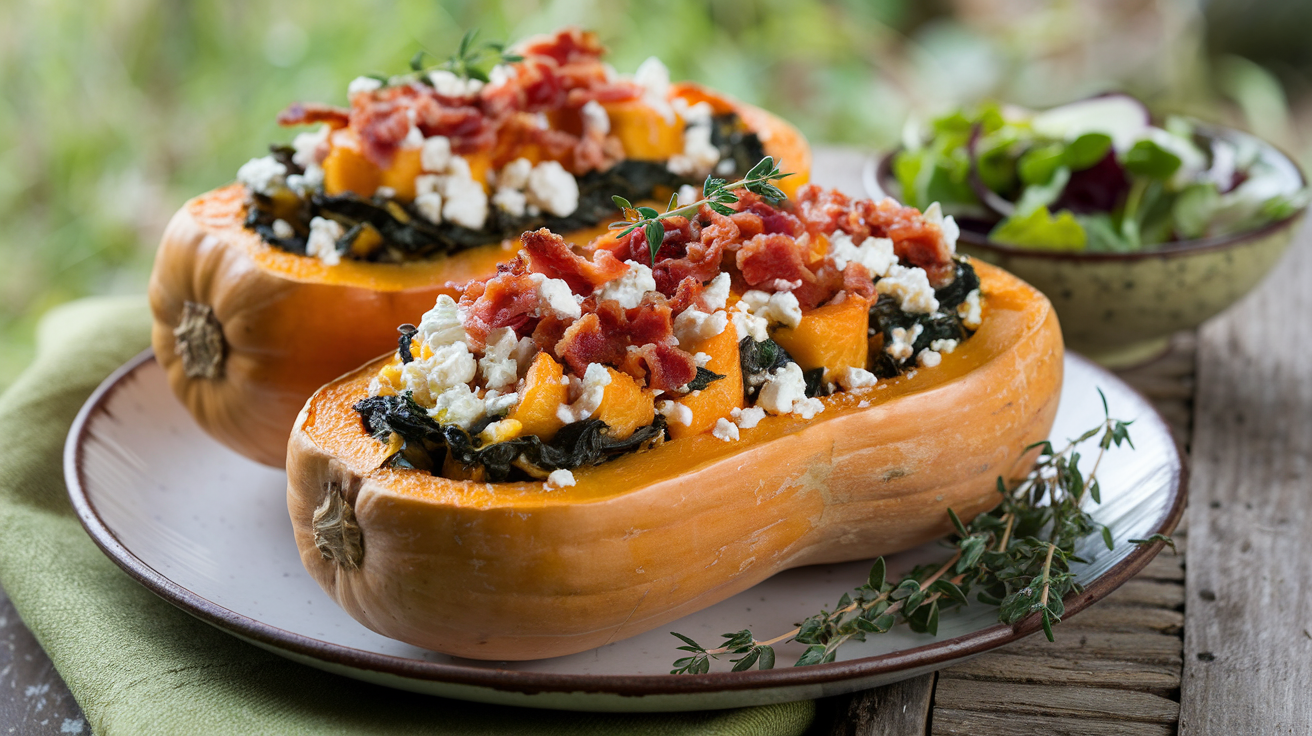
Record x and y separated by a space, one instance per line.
289 324
511 571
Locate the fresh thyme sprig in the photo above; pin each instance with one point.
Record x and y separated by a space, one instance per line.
470 61
716 193
1016 557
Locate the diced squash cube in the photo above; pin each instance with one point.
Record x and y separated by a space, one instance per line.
833 336
400 176
722 396
646 134
625 406
347 170
543 394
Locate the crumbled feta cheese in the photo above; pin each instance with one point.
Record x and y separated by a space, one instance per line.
429 205
465 202
498 368
748 324
263 175
808 408
306 146
442 325
303 183
688 194
934 215
429 184
282 229
414 138
725 430
514 175
322 243
785 284
449 84
458 167
876 254
716 294
901 347
747 418
701 359
500 74
699 155
852 378
555 294
559 479
498 403
782 389
692 326
595 118
675 412
436 154
450 365
553 189
943 346
654 78
863 404
525 349
910 286
630 287
363 84
511 201
969 311
385 192
780 307
928 358
590 392
457 405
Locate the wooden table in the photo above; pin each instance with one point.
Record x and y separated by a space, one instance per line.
1222 646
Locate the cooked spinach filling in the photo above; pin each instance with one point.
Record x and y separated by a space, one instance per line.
426 444
386 230
761 359
886 315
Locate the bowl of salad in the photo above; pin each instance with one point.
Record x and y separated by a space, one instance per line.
1134 230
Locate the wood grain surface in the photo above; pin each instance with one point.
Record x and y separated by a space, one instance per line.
1248 626
33 699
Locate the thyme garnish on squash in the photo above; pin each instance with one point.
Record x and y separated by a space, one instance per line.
1016 557
470 61
716 193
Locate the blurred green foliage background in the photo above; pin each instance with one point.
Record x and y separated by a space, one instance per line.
114 112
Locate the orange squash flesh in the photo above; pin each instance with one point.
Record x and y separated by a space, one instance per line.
543 392
290 323
625 405
513 571
832 337
645 133
722 396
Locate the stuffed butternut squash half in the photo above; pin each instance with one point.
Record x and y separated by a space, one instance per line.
267 288
580 449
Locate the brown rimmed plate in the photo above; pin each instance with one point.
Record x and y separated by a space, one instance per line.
208 531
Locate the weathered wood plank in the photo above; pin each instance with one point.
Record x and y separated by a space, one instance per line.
1068 670
1248 635
1046 700
900 709
1154 593
1073 642
1165 566
973 723
1129 619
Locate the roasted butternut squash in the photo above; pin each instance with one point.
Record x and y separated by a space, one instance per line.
543 393
722 396
625 405
513 571
646 134
832 337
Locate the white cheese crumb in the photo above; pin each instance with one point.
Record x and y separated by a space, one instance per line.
675 412
429 205
555 295
363 84
943 346
654 78
436 154
559 479
263 175
498 368
457 405
748 324
511 201
629 288
525 350
747 418
385 192
725 430
699 156
553 189
852 378
282 229
780 307
863 404
782 390
498 403
500 74
910 286
448 84
969 311
808 408
514 175
903 341
701 359
934 214
692 326
449 366
716 294
876 254
688 194
590 392
595 118
306 146
322 243
465 203
442 325
928 358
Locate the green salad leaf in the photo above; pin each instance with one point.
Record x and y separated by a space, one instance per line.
1041 230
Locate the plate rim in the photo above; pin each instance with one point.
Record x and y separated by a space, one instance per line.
534 683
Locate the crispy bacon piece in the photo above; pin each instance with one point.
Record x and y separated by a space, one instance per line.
550 255
668 367
309 113
766 259
637 341
564 46
508 299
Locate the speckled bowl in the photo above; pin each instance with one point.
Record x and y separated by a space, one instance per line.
1121 308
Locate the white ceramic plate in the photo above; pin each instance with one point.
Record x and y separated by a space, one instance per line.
208 530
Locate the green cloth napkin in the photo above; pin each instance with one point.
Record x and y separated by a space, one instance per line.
137 665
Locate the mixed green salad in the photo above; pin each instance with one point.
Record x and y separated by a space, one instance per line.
1094 175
